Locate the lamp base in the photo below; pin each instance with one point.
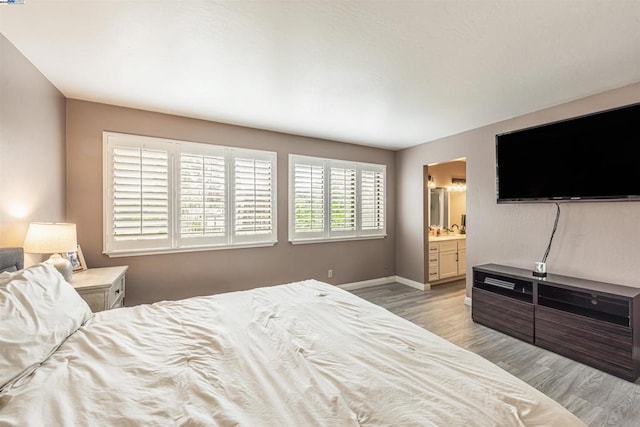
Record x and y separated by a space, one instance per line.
62 265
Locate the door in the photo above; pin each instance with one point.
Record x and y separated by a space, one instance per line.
448 258
462 261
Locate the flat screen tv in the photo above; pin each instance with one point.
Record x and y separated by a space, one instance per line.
587 158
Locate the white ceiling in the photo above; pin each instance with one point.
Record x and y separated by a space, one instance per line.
389 74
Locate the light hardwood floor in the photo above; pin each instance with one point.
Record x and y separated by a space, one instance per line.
599 399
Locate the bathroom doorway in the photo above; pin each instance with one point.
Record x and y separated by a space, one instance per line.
445 225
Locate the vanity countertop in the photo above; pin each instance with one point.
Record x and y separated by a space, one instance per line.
443 237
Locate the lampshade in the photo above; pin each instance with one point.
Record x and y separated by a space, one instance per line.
50 237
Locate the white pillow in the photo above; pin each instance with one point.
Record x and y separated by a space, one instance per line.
38 311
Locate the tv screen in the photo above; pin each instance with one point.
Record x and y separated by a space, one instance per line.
586 158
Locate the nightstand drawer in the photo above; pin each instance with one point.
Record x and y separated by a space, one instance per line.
116 292
119 302
102 288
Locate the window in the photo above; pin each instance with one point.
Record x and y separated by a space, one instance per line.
166 196
334 199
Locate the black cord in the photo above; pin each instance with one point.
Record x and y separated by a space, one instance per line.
555 226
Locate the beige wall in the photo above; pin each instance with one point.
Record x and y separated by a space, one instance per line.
444 172
156 277
32 148
594 240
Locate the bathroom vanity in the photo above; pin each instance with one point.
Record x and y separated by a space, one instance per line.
446 258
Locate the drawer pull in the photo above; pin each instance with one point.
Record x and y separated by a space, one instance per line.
117 291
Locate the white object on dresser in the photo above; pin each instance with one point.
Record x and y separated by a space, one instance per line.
102 288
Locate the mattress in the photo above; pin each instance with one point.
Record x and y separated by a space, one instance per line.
298 354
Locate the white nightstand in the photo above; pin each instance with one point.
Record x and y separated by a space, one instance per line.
102 288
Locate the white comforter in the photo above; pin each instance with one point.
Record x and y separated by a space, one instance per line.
302 354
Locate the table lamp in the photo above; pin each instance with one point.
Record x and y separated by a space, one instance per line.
53 238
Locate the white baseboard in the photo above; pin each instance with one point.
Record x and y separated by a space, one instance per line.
392 279
413 283
367 283
384 281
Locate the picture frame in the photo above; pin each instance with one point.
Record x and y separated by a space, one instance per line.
76 259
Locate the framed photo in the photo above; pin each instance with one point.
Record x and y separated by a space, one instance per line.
76 259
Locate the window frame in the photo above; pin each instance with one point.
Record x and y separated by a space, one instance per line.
327 234
175 242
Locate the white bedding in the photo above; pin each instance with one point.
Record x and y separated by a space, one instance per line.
302 354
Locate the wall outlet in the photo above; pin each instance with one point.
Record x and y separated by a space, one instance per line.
330 274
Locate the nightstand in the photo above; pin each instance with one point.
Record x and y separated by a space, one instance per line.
102 288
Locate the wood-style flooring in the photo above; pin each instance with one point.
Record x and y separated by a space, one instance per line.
597 398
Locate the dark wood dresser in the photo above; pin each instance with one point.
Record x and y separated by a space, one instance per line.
592 322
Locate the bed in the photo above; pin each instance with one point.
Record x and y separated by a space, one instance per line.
297 354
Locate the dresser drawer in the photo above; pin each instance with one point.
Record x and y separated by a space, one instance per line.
503 314
603 345
433 248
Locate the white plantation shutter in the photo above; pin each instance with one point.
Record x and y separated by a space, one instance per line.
343 200
140 194
308 212
335 199
254 201
165 196
372 200
137 194
202 198
309 198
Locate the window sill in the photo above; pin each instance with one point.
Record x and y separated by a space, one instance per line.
127 253
335 239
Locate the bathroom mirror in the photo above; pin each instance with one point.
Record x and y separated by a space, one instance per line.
439 207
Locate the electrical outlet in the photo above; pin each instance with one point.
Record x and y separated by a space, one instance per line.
330 274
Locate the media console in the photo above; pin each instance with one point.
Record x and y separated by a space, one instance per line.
592 322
